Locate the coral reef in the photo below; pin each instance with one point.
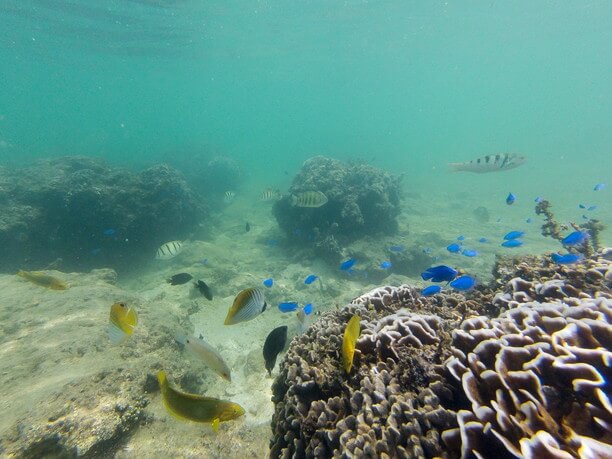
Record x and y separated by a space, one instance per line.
84 213
435 377
362 200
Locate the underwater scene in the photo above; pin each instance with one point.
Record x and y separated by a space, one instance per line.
305 229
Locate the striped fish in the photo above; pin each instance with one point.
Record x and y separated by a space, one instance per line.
270 194
489 163
309 199
228 196
247 305
169 250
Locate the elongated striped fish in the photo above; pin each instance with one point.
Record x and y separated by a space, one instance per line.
309 199
489 163
169 250
207 354
247 305
270 194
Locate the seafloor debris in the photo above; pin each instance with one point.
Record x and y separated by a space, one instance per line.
434 377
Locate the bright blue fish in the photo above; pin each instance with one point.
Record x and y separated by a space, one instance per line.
441 273
385 265
510 199
460 238
348 264
599 186
431 290
396 248
513 235
109 232
308 309
288 306
454 248
577 237
512 243
469 253
483 240
463 283
310 279
268 282
566 259
592 208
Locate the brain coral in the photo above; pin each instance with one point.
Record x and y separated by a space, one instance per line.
533 382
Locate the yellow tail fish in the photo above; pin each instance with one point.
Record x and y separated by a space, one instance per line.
42 279
351 333
193 407
123 320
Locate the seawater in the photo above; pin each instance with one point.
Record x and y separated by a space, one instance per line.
404 86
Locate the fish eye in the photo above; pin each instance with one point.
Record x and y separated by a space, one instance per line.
122 305
187 341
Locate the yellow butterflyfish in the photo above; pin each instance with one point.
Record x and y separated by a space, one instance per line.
197 408
123 320
351 333
42 279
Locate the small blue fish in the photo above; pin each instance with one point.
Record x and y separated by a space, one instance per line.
460 238
566 259
431 290
268 282
483 240
385 265
513 235
453 248
581 206
310 279
538 199
109 232
308 309
288 306
348 264
463 283
510 199
469 253
396 248
577 237
599 186
529 220
512 243
592 208
441 273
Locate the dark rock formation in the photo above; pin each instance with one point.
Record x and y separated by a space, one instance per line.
83 213
363 200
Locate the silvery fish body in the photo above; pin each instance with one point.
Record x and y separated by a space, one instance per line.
207 354
490 163
309 199
270 194
169 250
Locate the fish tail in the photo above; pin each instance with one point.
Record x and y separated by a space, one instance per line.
455 167
162 379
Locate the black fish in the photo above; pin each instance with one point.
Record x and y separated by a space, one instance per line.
180 279
247 227
204 289
275 343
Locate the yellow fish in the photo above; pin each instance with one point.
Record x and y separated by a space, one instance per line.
351 333
123 320
193 407
247 305
40 278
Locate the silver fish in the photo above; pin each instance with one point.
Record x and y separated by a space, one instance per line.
207 354
309 199
490 163
169 250
270 194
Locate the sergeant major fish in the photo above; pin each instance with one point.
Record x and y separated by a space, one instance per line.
489 163
169 250
309 199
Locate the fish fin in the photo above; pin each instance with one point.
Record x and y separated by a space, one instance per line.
215 424
116 335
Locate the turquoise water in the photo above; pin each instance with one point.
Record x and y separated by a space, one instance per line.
404 86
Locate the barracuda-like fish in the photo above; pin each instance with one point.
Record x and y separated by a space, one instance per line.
489 163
